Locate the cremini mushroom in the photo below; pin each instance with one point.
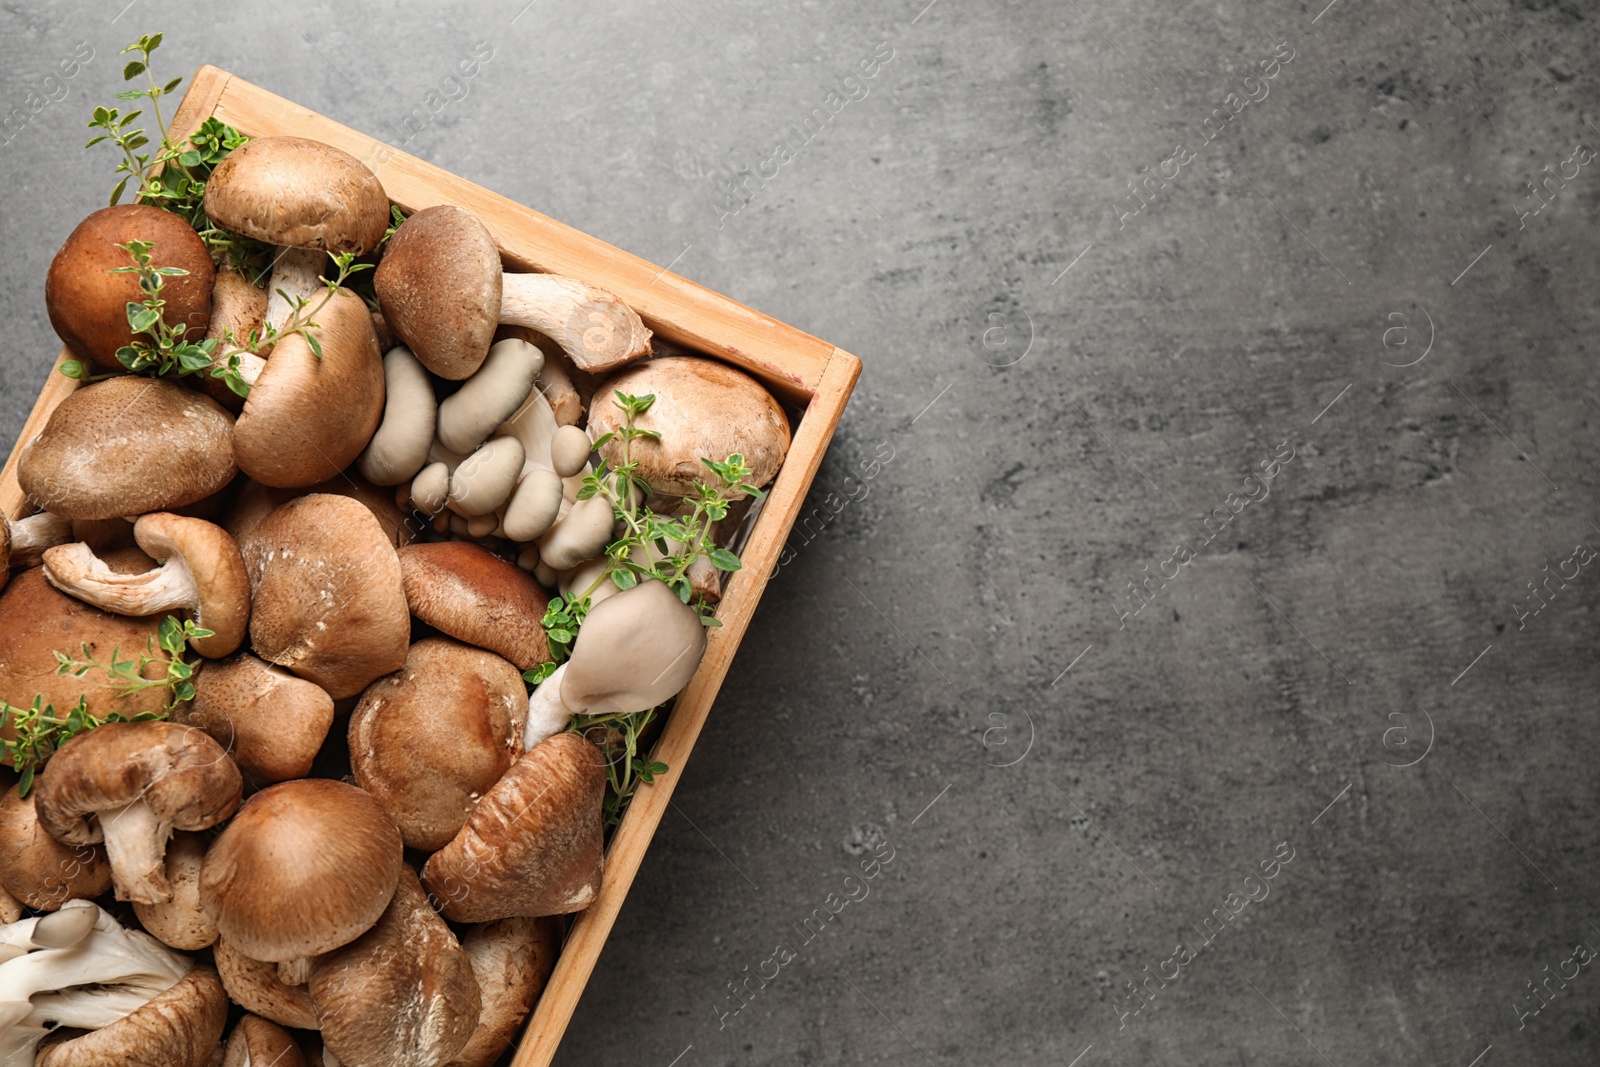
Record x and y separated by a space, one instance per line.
443 292
258 1042
401 995
511 960
634 650
491 396
126 446
309 416
181 922
328 600
427 741
484 481
532 845
271 722
130 784
468 592
254 986
201 573
702 409
37 869
88 305
399 448
314 839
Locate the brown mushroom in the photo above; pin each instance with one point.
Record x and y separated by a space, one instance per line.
202 574
401 995
443 293
532 846
468 592
27 538
37 869
258 1042
271 722
126 446
88 305
255 987
181 922
328 599
10 908
238 307
255 502
430 739
315 839
177 1028
511 959
130 784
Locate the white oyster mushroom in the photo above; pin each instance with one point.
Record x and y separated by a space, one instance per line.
535 503
492 395
399 448
485 480
634 650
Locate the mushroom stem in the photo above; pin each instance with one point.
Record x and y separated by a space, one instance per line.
547 716
32 535
77 571
295 972
597 330
297 273
136 845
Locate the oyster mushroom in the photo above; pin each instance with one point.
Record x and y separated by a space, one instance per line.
399 448
491 396
634 650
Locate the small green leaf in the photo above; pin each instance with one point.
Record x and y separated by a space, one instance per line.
724 560
171 85
624 578
73 369
25 782
116 194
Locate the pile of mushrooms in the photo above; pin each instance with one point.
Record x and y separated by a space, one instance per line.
354 842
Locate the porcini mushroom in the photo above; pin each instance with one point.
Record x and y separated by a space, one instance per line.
201 573
258 1042
511 959
634 650
427 741
271 722
401 995
181 923
468 592
255 987
328 600
702 409
399 448
443 292
532 845
37 869
130 784
126 446
88 305
314 839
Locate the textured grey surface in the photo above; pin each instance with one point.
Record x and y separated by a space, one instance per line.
918 641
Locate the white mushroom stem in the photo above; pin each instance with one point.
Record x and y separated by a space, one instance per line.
547 716
296 275
295 972
32 535
59 929
597 330
77 571
136 845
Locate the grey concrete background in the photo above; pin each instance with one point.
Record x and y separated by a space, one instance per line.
1065 397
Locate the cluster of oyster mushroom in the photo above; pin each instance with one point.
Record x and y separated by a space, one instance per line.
353 843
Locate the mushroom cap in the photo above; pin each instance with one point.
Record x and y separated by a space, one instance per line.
511 959
301 193
430 739
88 305
703 409
237 306
255 502
182 775
125 446
439 284
258 1042
532 846
468 592
36 621
255 987
271 722
215 566
181 923
307 417
634 650
178 1028
399 448
401 995
328 600
491 396
37 869
304 867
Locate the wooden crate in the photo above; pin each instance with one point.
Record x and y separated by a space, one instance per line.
805 373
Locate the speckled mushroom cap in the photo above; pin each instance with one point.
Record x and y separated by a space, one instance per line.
37 869
439 284
304 867
301 193
532 846
468 592
511 959
178 1028
126 446
88 305
328 600
703 408
258 1042
428 740
255 986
